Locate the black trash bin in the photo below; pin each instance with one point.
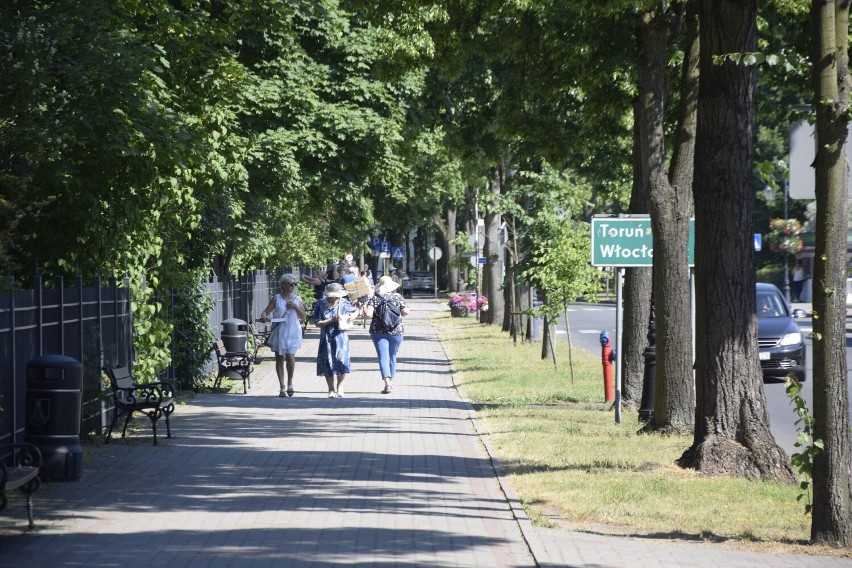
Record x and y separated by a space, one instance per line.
54 407
235 335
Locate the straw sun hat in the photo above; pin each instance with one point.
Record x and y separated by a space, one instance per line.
387 285
334 290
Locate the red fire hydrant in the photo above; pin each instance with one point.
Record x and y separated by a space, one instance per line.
607 358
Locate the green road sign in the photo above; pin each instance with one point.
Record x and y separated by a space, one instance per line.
628 241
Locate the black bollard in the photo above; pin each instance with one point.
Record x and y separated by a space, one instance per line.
646 407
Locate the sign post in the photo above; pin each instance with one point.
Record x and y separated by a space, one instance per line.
624 242
435 254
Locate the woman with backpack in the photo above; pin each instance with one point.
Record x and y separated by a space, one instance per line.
386 310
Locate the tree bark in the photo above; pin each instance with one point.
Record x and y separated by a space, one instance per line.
670 202
732 434
448 231
637 293
831 518
492 272
509 293
546 343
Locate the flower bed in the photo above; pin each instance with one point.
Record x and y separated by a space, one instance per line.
462 303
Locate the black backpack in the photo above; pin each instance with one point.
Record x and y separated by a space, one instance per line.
387 310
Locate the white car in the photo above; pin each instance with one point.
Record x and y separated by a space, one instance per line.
422 280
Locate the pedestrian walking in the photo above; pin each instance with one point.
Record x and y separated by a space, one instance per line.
333 314
288 311
386 310
799 277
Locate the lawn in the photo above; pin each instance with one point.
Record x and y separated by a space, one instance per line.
573 467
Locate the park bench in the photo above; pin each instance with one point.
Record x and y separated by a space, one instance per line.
154 400
19 465
259 335
236 362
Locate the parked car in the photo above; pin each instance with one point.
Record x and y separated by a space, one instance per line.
781 343
422 280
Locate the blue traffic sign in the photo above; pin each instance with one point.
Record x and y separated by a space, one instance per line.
397 252
758 242
376 243
385 246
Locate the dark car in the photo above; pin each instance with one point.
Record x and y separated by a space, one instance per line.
781 343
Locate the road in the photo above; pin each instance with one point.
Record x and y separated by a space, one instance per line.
587 321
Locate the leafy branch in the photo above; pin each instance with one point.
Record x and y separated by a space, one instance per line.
803 461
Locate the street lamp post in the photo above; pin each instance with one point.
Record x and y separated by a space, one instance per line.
786 253
770 196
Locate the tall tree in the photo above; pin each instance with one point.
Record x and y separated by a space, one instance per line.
670 202
492 272
731 424
832 503
637 293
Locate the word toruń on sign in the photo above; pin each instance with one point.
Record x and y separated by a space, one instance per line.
628 241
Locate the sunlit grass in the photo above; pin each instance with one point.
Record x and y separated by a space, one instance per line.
572 466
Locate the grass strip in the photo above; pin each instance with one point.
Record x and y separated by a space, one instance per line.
574 468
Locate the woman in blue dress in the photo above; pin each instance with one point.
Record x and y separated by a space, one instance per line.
333 352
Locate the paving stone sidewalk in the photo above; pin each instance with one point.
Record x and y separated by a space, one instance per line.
366 480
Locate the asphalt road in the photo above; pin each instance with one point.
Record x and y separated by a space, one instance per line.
587 321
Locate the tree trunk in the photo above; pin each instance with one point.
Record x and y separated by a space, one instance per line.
546 343
509 293
492 272
453 280
670 202
831 519
637 294
732 434
447 229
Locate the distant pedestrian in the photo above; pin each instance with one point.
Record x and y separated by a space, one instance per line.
332 314
286 336
386 310
351 275
799 277
318 280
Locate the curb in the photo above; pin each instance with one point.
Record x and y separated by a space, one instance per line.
534 544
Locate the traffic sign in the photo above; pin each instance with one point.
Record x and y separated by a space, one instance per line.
628 241
397 253
435 253
758 242
385 246
376 243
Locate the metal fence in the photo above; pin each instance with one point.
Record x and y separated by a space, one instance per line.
94 325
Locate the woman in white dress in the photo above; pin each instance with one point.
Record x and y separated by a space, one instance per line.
286 336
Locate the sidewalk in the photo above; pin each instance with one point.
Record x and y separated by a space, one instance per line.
365 480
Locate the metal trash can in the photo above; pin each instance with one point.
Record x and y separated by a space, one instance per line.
235 334
54 409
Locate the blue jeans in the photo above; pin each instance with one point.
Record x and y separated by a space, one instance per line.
387 347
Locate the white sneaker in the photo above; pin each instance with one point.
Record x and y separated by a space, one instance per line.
332 394
340 393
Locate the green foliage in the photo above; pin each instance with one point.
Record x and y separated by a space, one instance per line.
190 308
803 461
558 246
152 332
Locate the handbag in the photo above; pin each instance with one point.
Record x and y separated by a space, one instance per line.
344 324
268 341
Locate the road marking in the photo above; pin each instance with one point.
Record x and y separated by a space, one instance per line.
596 331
